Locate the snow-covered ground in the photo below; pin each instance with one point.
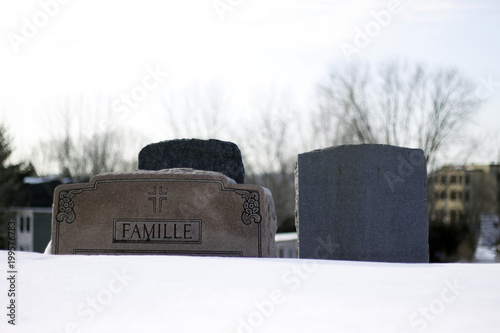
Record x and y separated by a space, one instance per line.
206 294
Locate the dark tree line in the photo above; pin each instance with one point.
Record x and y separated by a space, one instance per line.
11 180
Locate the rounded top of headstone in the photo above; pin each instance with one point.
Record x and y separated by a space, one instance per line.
364 147
208 155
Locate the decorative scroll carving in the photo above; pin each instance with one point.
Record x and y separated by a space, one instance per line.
251 209
66 212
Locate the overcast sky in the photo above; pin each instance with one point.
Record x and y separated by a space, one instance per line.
49 49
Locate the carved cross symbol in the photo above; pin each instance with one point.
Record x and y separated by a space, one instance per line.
157 196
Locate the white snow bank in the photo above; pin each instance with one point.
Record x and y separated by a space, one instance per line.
285 237
206 294
485 254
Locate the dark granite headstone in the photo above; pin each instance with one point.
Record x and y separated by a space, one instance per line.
207 155
364 203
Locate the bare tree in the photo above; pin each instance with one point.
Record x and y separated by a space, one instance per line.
273 144
80 145
406 105
198 111
402 105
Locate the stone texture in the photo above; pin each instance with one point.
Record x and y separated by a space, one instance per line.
209 155
174 211
362 202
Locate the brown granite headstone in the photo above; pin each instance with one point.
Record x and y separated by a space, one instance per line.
172 212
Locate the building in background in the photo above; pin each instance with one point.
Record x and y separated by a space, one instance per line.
33 214
286 245
469 194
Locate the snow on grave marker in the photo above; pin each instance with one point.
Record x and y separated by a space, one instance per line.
171 211
362 202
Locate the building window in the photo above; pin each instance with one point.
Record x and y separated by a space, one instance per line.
436 195
453 216
459 195
453 195
21 224
467 179
460 179
443 195
453 179
443 179
28 224
466 196
435 179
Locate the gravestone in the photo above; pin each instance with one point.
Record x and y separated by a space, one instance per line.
174 211
209 155
364 203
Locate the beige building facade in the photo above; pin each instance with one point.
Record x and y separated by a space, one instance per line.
464 193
